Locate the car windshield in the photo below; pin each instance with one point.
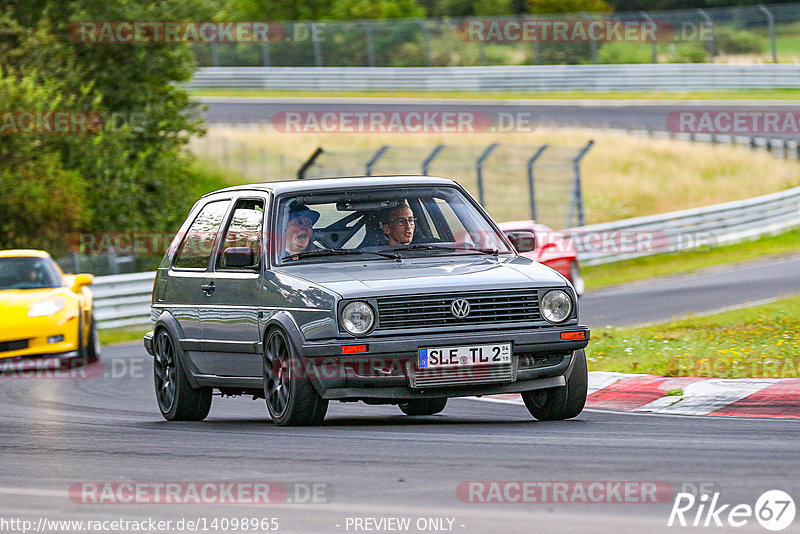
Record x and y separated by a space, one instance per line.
28 273
382 224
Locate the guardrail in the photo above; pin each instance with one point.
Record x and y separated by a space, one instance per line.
687 229
124 300
526 78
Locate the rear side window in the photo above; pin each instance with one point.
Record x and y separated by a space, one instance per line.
244 231
195 251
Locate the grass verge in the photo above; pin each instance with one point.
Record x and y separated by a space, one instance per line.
757 342
738 94
112 336
610 274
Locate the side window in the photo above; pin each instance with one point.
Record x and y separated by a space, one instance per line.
195 251
244 232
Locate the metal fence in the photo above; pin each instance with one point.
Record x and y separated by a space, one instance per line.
691 35
782 147
673 77
511 181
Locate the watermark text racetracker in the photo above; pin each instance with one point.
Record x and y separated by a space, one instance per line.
69 122
200 492
735 122
52 368
564 492
370 119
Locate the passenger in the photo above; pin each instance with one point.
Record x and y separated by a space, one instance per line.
299 230
398 223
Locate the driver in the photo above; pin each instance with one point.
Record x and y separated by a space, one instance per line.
31 274
299 230
398 223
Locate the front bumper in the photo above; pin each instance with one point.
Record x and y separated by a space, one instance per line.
541 359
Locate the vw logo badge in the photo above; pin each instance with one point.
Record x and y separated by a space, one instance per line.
459 308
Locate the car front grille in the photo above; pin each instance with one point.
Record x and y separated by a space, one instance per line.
496 306
460 376
17 344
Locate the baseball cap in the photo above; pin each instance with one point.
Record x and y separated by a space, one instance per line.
303 211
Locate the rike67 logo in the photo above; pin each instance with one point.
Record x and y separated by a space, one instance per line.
774 510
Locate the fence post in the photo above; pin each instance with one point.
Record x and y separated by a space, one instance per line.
301 172
592 42
370 42
113 266
531 189
76 263
427 163
265 57
225 152
710 25
317 45
479 171
771 22
374 159
426 49
654 51
577 192
214 54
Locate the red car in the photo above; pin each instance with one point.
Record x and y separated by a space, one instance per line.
549 248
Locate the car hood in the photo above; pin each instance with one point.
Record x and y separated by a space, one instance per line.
425 275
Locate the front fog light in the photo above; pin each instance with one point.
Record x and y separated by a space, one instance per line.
55 339
358 318
556 306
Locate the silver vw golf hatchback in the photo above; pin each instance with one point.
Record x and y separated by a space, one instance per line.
391 290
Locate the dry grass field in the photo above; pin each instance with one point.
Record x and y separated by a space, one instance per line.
623 176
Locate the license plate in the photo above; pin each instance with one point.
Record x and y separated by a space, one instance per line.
464 356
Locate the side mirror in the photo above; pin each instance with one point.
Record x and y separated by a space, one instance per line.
81 280
238 257
523 240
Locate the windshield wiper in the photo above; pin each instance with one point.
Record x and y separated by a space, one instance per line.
401 248
337 252
490 251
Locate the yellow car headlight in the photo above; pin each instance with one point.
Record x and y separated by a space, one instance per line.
46 307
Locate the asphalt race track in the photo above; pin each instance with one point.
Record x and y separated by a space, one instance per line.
657 300
587 114
371 463
374 461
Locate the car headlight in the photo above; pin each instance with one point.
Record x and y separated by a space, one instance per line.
556 306
358 317
46 307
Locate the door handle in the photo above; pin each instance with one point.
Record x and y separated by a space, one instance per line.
208 288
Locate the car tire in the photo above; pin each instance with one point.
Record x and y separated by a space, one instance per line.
291 398
176 398
563 402
423 406
92 352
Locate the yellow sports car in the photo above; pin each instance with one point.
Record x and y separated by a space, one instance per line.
44 313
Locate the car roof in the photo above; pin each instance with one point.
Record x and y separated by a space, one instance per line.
23 253
333 184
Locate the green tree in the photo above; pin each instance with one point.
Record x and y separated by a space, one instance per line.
132 175
543 7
